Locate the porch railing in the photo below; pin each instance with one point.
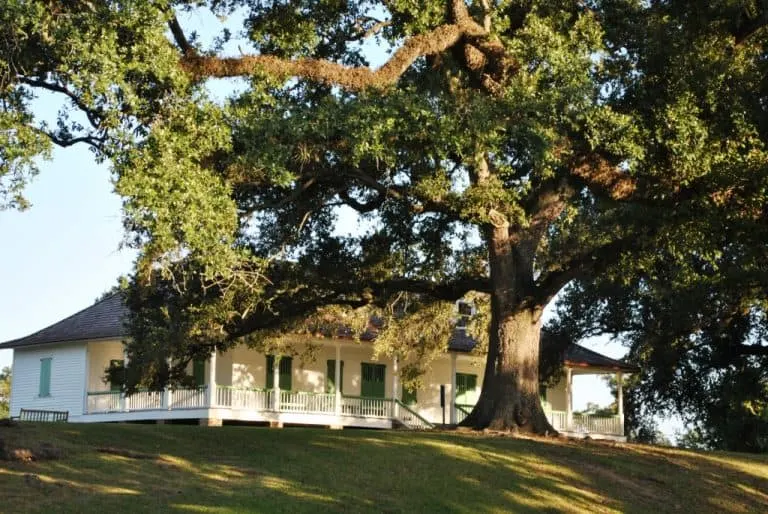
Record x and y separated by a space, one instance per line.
367 407
104 401
596 424
316 403
585 423
462 411
144 400
117 401
253 399
196 398
248 399
557 419
410 418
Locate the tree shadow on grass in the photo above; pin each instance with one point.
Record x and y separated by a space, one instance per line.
241 469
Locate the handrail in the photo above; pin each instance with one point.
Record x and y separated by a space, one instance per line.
238 388
120 391
423 422
462 408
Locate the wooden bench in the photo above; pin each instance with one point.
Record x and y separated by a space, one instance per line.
46 416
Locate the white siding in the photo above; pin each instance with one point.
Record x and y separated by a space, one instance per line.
67 378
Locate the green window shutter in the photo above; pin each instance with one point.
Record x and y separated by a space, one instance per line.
45 377
198 371
270 371
285 373
408 396
465 388
373 376
117 385
330 376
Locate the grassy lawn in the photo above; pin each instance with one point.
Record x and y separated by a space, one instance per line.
171 468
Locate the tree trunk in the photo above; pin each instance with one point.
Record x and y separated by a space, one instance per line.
509 399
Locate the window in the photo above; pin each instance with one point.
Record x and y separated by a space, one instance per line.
543 392
116 384
45 377
198 371
330 376
408 396
285 372
466 311
372 384
466 386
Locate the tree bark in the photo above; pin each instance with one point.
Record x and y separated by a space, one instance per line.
509 399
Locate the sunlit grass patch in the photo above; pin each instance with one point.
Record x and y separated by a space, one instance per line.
171 468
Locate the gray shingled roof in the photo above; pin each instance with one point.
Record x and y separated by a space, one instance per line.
575 354
578 356
104 320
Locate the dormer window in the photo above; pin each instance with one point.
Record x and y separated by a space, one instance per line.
465 310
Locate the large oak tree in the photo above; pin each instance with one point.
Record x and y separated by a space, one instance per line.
503 149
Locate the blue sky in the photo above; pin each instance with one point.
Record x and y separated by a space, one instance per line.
64 251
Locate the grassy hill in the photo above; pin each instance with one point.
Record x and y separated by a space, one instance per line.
190 469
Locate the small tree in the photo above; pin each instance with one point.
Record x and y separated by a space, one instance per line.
5 392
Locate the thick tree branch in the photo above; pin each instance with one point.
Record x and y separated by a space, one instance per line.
91 140
448 291
748 26
181 40
362 207
93 116
354 78
352 295
596 259
751 349
603 177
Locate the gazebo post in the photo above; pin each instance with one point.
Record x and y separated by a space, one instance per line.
620 399
568 399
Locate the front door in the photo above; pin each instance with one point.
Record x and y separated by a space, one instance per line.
372 385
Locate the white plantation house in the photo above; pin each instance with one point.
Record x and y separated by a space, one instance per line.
62 368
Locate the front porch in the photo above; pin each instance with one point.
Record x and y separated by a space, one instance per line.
255 405
243 385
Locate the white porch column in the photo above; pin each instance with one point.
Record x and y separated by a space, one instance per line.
568 399
453 389
87 376
276 381
337 380
122 394
212 379
620 399
167 394
395 386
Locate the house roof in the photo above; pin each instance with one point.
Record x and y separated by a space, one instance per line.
104 320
